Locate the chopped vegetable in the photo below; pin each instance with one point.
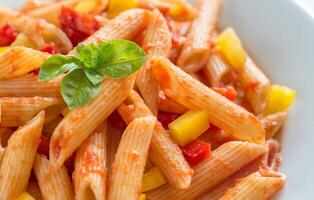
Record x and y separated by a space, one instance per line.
152 179
49 48
118 6
86 6
7 35
166 118
196 151
3 49
231 47
229 92
25 196
78 26
189 126
280 99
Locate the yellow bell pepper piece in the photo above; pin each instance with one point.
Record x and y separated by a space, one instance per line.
86 6
25 196
230 45
189 126
152 179
3 49
143 197
118 6
23 40
280 99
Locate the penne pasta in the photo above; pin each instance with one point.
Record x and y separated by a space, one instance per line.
196 48
128 167
5 134
53 184
34 190
215 69
113 139
16 111
124 26
224 161
30 86
257 85
260 185
90 166
80 123
167 105
38 31
223 113
50 127
19 157
164 152
18 61
272 123
157 41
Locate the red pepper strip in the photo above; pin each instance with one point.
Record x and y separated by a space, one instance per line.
166 118
77 26
50 48
7 35
196 151
229 92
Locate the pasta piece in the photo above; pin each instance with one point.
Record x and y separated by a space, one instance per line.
29 5
80 123
130 159
224 161
215 69
50 127
223 113
16 111
113 139
30 86
51 13
19 157
258 186
37 30
53 112
53 184
18 61
5 134
164 152
125 26
34 190
272 123
167 105
257 85
157 41
90 166
2 152
196 48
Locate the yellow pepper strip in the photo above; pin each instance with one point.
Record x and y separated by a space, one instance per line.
86 6
3 49
280 99
152 179
118 6
25 196
230 45
189 126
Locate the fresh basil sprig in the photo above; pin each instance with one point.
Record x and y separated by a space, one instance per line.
85 71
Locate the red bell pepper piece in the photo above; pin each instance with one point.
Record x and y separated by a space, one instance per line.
7 35
196 151
50 48
166 118
229 92
78 26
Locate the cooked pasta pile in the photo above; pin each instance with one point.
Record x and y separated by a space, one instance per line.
134 99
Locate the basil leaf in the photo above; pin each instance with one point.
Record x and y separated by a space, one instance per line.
125 57
78 49
94 76
91 56
77 89
56 65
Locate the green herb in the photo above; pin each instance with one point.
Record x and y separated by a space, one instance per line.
86 70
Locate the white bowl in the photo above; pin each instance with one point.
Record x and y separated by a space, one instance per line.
279 34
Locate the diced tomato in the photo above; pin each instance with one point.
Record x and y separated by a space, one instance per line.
43 147
252 85
196 151
50 48
166 118
228 92
115 120
78 26
7 35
